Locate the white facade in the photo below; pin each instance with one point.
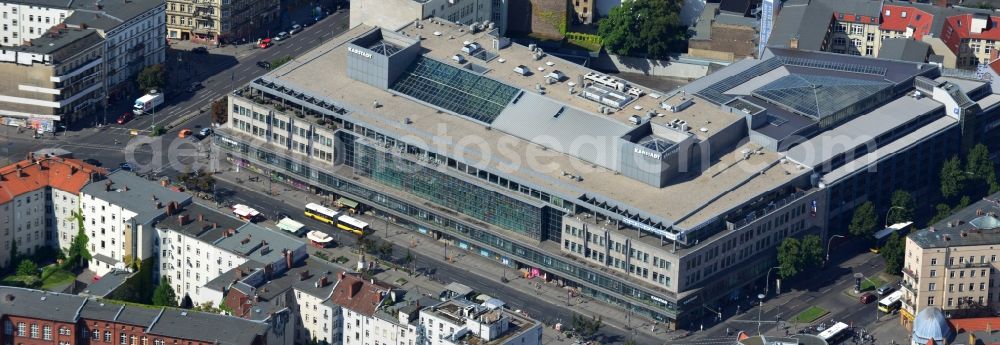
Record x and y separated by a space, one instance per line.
108 226
23 221
64 205
22 22
321 320
142 39
455 322
190 263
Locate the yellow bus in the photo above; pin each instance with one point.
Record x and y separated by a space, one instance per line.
320 213
891 303
353 225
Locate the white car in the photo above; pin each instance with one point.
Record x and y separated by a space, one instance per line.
295 29
281 36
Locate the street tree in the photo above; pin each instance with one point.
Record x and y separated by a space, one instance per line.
586 327
649 28
903 205
864 221
812 252
981 168
219 113
790 257
164 295
153 78
952 178
892 252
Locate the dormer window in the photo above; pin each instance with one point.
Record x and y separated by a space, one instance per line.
887 13
903 14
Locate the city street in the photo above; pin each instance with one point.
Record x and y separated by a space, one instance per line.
220 71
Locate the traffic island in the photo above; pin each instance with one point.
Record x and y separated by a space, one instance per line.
809 315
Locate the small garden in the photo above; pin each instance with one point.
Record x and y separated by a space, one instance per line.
809 315
27 273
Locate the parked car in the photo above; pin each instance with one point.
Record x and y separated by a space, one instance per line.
295 29
867 297
200 50
281 36
885 289
92 161
264 64
264 43
125 118
204 132
125 166
195 86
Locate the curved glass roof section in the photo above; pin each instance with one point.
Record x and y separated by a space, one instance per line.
818 96
657 144
456 90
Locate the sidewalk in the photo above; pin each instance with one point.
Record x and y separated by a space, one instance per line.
478 265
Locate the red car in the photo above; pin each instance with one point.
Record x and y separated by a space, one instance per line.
264 43
125 118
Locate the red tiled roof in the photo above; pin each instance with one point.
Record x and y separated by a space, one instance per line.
359 295
995 65
893 20
961 24
975 324
64 174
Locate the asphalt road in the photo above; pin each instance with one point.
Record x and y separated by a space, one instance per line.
219 74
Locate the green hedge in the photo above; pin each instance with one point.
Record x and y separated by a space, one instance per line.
583 40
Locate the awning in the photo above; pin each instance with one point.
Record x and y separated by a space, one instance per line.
290 225
348 202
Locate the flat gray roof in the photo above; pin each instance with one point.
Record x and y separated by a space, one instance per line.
904 49
110 15
253 248
861 130
808 22
717 190
135 194
959 229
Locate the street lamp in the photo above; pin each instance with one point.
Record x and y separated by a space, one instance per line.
828 242
760 309
889 212
767 280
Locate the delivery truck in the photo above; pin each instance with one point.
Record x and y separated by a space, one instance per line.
146 104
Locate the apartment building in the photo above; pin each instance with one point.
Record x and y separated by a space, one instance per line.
321 319
394 14
951 264
460 321
65 70
215 21
56 77
119 216
42 317
38 198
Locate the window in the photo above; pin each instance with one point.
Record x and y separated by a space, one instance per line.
871 37
950 300
122 338
930 300
47 333
20 329
107 336
931 286
933 273
839 41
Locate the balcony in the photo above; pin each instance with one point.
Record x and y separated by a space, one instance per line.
906 285
909 272
969 265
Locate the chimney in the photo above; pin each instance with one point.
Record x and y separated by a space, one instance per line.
215 226
288 258
20 173
31 157
793 43
342 275
126 188
171 208
107 185
201 217
303 275
163 182
182 219
72 170
323 281
159 205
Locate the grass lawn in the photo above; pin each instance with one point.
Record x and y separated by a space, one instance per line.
867 285
54 277
809 315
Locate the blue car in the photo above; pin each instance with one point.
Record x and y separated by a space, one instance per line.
125 166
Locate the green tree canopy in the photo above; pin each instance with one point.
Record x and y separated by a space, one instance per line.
864 221
650 28
164 295
27 268
153 78
892 252
790 257
219 113
981 168
902 204
952 178
812 252
79 255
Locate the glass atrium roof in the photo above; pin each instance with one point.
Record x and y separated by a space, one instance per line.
657 144
818 96
384 48
455 89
